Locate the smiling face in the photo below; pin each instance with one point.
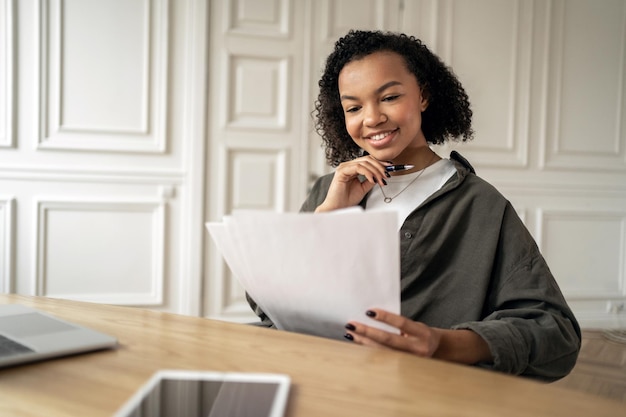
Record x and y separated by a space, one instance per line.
383 105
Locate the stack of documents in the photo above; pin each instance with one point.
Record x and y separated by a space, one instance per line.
312 273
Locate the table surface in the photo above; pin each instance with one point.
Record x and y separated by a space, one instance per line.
329 378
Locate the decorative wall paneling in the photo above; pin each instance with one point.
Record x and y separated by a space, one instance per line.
581 155
585 127
582 234
596 290
498 84
125 68
160 115
93 232
107 171
126 239
6 243
7 40
256 136
488 44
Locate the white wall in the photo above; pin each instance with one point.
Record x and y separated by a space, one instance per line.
99 174
126 124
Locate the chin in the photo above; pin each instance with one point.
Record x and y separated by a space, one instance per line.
383 155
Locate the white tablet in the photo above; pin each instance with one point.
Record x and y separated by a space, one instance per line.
209 394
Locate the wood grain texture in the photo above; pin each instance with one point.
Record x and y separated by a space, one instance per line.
601 367
329 378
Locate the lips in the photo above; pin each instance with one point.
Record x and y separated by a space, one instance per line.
381 139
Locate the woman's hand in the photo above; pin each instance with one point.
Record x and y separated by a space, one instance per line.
346 189
414 337
463 346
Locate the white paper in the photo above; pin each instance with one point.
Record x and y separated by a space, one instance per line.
312 273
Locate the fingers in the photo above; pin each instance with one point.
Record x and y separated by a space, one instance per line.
361 340
369 167
347 189
414 337
372 336
399 322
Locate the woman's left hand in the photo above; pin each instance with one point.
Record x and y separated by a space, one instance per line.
414 337
462 345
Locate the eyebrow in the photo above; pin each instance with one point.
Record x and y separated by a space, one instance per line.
378 90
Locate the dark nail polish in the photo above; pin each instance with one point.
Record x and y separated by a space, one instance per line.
370 313
348 336
384 182
388 175
350 327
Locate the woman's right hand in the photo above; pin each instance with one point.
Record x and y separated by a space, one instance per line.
346 189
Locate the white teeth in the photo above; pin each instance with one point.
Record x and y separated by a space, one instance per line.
380 136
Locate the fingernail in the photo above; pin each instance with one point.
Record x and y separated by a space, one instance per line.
348 336
375 180
370 313
388 175
350 327
384 182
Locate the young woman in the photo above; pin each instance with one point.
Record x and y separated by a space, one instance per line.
474 287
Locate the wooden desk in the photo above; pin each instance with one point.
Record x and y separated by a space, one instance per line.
329 378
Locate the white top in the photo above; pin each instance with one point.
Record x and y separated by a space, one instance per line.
431 180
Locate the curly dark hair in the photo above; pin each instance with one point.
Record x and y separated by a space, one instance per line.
448 115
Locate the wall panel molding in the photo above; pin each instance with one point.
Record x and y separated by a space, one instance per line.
337 17
64 173
268 190
7 214
602 237
566 189
7 81
228 299
258 95
598 314
585 125
496 73
254 18
77 229
125 87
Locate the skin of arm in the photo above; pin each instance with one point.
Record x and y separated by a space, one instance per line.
460 346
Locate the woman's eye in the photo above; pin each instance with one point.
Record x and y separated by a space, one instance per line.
390 98
352 109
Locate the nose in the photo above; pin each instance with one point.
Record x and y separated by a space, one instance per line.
374 116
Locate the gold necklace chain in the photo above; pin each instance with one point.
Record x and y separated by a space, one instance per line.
390 199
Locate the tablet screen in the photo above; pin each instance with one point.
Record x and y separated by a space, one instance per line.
209 394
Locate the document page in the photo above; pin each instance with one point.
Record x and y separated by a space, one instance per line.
312 273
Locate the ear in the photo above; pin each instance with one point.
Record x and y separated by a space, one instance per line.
424 103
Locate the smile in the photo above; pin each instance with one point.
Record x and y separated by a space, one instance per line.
381 136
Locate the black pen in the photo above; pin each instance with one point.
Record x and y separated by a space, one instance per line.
394 168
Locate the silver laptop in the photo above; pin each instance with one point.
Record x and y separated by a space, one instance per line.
28 335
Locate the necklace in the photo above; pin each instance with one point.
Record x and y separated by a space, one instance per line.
390 199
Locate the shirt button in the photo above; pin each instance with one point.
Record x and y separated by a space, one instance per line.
408 235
